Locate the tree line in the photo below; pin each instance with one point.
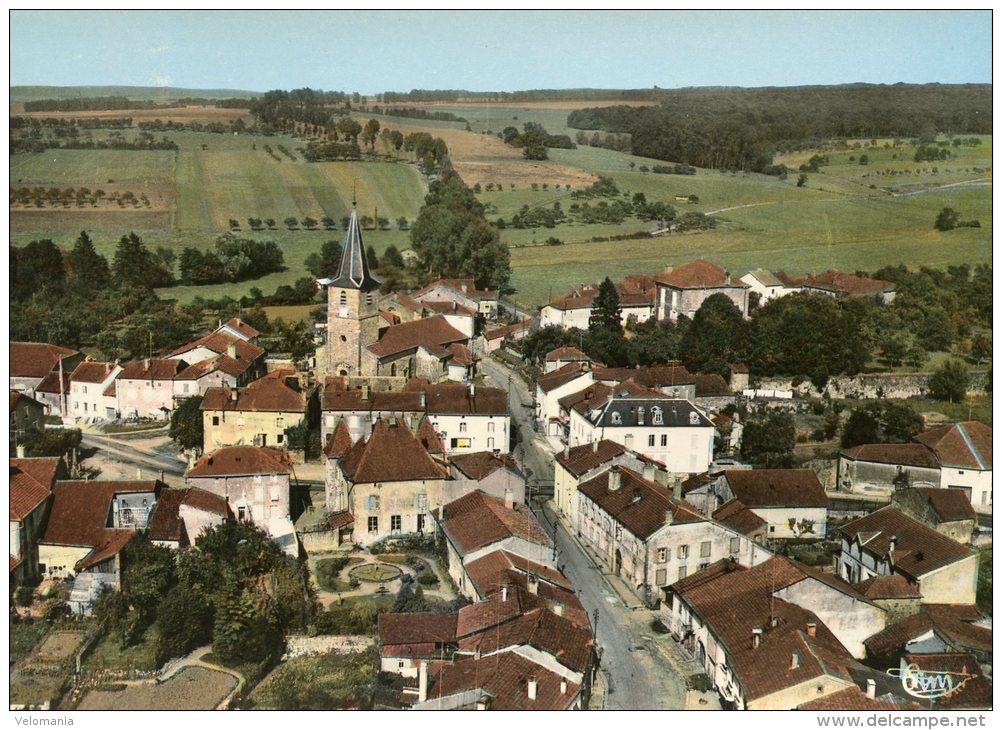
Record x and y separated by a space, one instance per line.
234 259
741 128
112 103
458 95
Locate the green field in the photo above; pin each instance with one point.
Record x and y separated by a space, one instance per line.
137 93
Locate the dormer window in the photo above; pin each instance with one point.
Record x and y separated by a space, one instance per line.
658 416
617 420
694 419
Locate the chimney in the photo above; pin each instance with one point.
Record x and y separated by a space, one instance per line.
423 400
615 479
871 689
533 583
365 391
504 593
558 608
648 472
146 363
676 490
20 451
422 681
567 451
139 474
727 277
509 499
795 660
532 688
893 544
756 638
563 686
774 621
463 287
594 446
233 395
812 630
473 391
231 350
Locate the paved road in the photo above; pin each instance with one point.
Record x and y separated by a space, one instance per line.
124 452
635 679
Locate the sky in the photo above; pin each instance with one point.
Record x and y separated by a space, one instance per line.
374 51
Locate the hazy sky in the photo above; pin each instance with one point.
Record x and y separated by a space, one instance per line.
376 51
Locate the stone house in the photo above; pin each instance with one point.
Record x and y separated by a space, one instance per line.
495 474
889 542
31 482
934 629
954 456
761 652
26 414
180 516
636 302
947 511
840 284
145 388
385 485
257 414
477 524
461 292
31 362
682 290
493 339
429 348
647 537
93 391
255 483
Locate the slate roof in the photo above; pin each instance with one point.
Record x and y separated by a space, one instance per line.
584 458
31 481
732 600
353 270
240 460
151 369
948 504
912 454
697 275
967 444
676 412
639 505
918 550
35 359
776 487
482 464
271 393
562 376
434 334
504 680
92 372
478 519
391 454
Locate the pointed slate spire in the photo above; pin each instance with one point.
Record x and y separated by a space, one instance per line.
353 273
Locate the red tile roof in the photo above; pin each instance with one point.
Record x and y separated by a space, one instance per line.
776 487
456 398
219 343
843 283
239 460
477 520
151 369
697 275
35 359
584 458
222 363
563 375
18 397
110 544
337 398
431 333
503 680
732 601
92 372
461 354
510 329
736 514
50 383
652 376
457 285
339 442
641 506
948 504
967 445
429 438
972 690
918 550
566 353
710 385
912 454
340 519
482 464
853 698
242 327
272 393
397 630
80 510
31 482
497 608
448 308
887 586
956 632
391 454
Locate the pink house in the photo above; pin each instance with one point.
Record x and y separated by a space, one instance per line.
145 388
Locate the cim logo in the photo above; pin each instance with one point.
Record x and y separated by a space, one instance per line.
926 684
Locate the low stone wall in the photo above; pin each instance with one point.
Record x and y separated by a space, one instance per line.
310 645
867 386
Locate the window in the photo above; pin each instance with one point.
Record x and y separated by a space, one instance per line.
650 440
984 498
373 525
662 555
460 443
661 576
735 544
490 427
628 441
215 420
682 572
683 552
372 503
85 393
772 528
393 370
490 444
344 297
241 513
279 422
704 549
664 439
420 523
368 297
462 427
704 566
395 523
658 416
400 664
280 437
186 387
617 420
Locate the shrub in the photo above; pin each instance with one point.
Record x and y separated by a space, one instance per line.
427 578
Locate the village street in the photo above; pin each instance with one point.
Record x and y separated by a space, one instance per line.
641 671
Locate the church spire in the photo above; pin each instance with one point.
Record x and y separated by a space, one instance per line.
353 273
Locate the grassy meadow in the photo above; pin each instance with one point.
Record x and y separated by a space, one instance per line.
848 215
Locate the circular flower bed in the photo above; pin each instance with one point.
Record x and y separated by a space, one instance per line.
375 572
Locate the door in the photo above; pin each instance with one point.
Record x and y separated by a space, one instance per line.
619 562
420 523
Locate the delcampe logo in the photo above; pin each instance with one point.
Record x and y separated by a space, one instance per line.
928 684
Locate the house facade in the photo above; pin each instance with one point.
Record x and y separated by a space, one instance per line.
554 385
947 511
26 414
31 362
256 415
791 502
145 388
768 285
682 290
493 474
31 482
93 390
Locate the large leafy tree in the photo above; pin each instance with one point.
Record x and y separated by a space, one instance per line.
606 313
186 426
135 266
326 262
769 442
949 382
715 338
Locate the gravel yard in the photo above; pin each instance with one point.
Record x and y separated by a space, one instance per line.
193 688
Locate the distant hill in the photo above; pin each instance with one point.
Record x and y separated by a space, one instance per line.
138 93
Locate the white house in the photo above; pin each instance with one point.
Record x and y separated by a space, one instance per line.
145 388
636 302
554 385
791 502
93 390
768 285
